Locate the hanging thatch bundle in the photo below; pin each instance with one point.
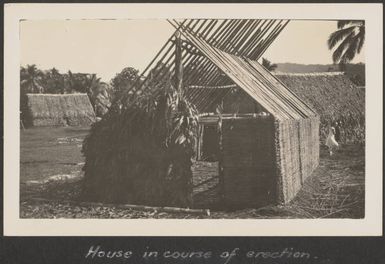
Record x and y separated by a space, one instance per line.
335 98
141 152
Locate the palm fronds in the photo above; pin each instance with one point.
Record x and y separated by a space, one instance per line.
347 41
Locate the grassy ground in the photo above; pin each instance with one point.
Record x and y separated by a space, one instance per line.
47 152
51 164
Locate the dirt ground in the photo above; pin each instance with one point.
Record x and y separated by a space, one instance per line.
50 182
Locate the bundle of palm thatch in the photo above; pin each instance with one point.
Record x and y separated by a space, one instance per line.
141 151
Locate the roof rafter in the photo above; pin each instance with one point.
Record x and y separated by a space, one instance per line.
242 37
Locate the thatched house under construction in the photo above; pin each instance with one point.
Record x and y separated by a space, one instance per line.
59 110
266 148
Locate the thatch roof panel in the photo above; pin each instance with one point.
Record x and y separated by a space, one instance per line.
60 110
330 94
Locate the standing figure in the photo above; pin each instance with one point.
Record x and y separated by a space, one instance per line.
338 132
331 141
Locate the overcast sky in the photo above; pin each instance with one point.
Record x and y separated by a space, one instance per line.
105 47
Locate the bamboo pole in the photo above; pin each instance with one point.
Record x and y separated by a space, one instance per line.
169 59
151 63
242 32
201 61
224 60
127 206
246 36
257 39
224 45
204 65
221 174
212 87
266 42
271 41
178 62
255 33
208 71
202 69
218 42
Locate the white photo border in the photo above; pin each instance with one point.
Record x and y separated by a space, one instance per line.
371 225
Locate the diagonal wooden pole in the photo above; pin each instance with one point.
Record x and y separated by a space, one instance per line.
178 63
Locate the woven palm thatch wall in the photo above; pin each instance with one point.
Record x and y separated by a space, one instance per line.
334 97
59 110
297 154
266 161
248 161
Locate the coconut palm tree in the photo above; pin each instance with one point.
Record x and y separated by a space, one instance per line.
54 81
269 65
31 79
347 41
92 87
75 82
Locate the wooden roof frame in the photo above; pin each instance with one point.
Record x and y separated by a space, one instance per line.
212 48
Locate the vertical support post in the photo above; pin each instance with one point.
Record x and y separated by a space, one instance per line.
220 161
199 141
178 62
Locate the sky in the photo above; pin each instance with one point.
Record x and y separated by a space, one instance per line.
105 47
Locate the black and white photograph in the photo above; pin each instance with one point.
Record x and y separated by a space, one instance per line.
215 126
192 118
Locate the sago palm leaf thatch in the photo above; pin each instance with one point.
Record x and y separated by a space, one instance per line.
335 98
58 110
141 152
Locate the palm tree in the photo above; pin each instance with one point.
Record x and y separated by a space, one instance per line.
54 81
348 40
31 79
269 65
73 82
93 87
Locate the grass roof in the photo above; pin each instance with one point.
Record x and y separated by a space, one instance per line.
59 110
334 97
331 94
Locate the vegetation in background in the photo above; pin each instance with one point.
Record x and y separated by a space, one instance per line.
53 82
123 82
269 65
31 79
347 41
34 80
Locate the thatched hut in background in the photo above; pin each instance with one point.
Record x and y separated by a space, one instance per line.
335 98
59 110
